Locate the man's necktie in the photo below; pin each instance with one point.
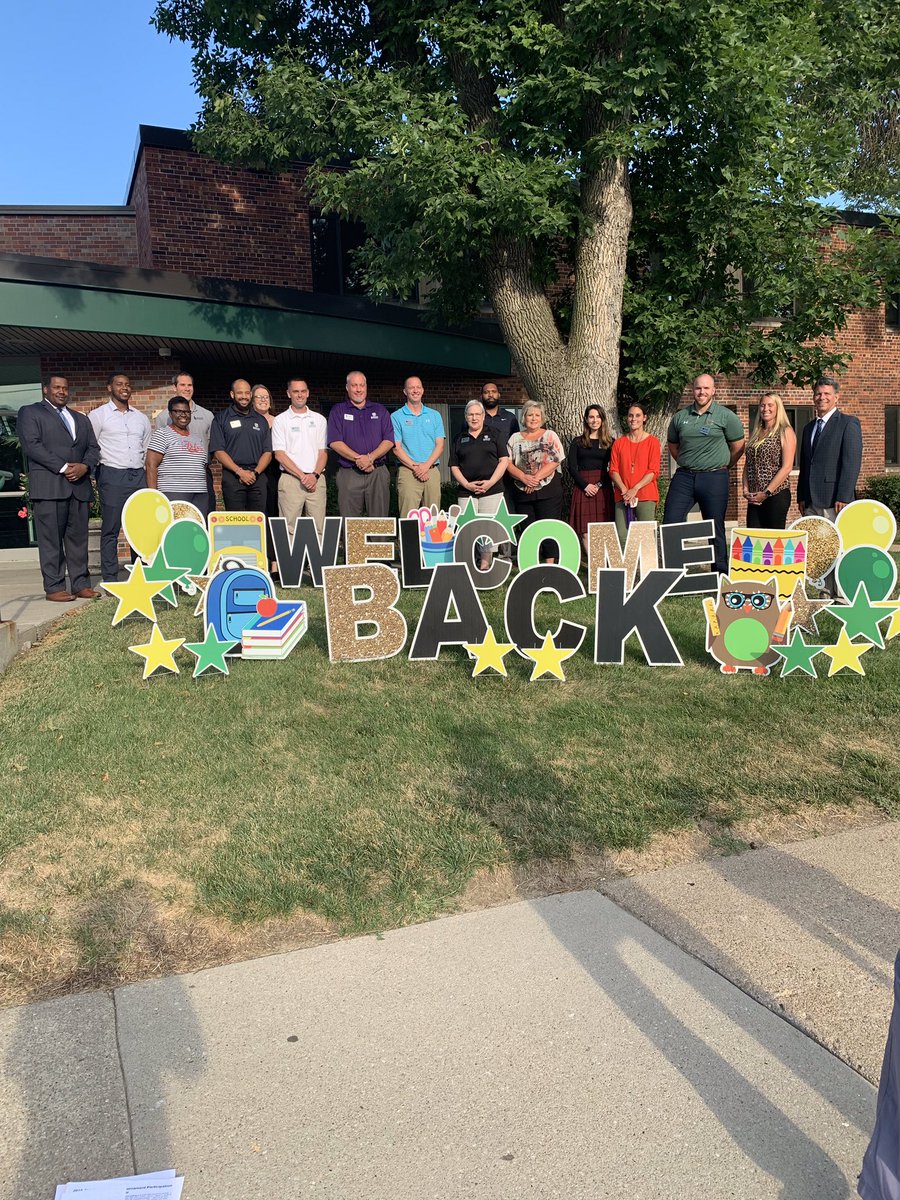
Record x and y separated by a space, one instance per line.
820 425
66 418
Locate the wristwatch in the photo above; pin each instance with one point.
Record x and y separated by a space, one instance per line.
768 493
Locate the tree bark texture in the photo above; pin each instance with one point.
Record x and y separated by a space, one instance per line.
567 376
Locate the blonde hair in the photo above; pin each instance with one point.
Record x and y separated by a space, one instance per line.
782 421
534 406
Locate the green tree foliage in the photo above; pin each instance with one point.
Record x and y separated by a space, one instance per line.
605 172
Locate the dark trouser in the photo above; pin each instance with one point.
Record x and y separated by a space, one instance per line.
358 490
210 492
541 508
507 550
772 513
198 499
880 1178
709 489
243 497
116 485
62 537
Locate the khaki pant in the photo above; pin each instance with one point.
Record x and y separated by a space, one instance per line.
295 501
412 493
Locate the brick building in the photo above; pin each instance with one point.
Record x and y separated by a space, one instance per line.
223 271
214 270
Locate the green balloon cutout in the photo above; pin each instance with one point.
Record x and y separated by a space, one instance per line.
870 566
186 546
567 542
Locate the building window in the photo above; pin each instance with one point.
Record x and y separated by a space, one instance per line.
892 311
333 242
892 435
799 416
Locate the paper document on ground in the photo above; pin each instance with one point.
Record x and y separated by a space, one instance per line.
156 1185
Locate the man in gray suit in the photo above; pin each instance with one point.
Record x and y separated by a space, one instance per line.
830 458
62 451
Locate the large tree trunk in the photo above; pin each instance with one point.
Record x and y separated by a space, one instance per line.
568 377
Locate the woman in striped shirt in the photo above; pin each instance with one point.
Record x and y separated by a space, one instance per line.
176 462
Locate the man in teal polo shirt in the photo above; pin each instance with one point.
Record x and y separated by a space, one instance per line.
706 440
418 444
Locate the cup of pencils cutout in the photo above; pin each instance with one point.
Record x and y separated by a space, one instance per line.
763 554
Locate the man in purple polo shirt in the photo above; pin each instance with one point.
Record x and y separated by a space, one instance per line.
361 434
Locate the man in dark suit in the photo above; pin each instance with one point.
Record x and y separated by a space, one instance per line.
830 458
62 451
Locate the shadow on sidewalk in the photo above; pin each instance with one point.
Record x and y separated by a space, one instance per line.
623 968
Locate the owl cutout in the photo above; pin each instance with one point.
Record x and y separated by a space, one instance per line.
745 624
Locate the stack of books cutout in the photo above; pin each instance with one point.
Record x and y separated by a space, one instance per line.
276 631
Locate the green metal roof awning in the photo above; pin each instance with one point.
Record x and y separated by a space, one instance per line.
162 308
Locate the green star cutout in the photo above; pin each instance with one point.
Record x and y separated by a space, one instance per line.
468 514
861 617
159 571
508 520
210 653
797 656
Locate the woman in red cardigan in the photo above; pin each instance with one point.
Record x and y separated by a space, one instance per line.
634 469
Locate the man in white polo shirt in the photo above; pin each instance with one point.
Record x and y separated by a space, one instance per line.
299 443
123 434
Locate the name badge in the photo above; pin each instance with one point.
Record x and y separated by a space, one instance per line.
234 424
348 416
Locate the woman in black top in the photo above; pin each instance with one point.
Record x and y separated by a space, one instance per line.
478 463
588 463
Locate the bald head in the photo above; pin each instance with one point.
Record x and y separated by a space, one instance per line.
704 390
241 393
413 390
357 389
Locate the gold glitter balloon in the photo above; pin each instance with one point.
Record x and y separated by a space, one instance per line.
182 510
823 545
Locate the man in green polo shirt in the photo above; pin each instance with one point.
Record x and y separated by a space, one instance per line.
706 440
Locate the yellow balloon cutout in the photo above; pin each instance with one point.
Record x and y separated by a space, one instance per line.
145 518
866 523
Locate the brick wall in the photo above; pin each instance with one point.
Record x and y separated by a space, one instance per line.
207 218
108 238
869 383
87 374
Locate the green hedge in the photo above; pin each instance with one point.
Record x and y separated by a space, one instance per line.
885 488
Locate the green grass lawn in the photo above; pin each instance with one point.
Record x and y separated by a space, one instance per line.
368 795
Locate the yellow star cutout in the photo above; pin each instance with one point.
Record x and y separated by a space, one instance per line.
845 653
893 630
490 653
548 659
158 653
135 595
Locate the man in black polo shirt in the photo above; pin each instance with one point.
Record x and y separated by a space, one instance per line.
706 440
504 423
240 439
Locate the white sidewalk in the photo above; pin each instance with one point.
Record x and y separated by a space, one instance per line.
558 1048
